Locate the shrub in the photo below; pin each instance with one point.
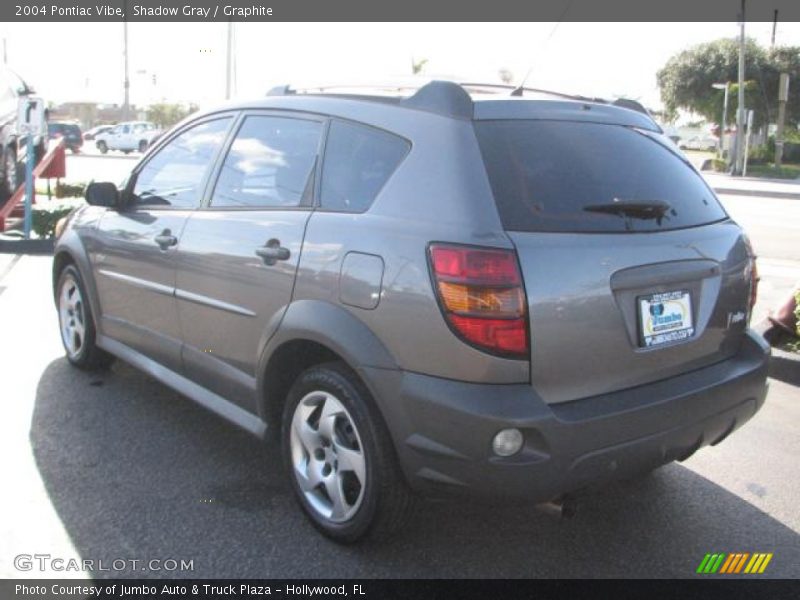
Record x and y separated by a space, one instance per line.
760 155
797 311
45 216
70 190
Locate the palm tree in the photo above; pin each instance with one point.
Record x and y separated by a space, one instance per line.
418 65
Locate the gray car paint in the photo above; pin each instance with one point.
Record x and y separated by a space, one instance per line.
440 192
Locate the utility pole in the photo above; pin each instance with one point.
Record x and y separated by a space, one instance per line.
229 62
723 86
774 26
126 104
783 98
740 115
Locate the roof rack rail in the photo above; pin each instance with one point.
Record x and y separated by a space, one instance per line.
444 97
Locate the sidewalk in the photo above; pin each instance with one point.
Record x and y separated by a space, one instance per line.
754 186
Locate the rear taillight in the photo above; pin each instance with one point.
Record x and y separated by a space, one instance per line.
482 297
754 278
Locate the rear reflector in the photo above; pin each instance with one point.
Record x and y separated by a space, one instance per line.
482 297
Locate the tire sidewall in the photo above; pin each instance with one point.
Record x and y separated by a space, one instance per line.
11 164
335 382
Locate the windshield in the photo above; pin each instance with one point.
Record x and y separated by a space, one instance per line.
544 175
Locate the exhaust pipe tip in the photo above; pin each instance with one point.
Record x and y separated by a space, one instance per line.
564 507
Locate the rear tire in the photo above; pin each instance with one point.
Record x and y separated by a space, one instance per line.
339 457
143 146
11 173
76 323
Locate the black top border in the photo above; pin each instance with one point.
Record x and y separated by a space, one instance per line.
398 10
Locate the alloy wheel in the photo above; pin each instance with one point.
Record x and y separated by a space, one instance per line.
72 317
327 457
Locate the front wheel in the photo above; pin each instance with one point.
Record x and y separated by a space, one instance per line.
78 334
102 146
339 456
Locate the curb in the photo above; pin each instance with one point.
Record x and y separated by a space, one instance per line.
785 366
763 194
27 246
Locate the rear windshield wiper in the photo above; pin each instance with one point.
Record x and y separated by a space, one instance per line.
647 210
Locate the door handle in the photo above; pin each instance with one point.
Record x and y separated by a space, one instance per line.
272 252
165 239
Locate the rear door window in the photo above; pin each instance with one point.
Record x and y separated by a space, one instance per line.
569 176
269 164
358 162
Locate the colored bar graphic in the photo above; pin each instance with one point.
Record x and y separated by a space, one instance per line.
741 562
765 563
703 563
752 563
717 563
727 564
734 563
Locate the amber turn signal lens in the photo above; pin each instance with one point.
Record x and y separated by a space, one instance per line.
475 300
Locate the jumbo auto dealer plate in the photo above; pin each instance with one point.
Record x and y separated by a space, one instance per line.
665 318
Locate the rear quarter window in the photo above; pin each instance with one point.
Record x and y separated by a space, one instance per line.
358 162
548 175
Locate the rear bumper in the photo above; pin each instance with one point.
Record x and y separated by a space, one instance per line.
443 429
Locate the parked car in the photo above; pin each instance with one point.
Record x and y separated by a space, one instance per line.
13 145
698 142
69 132
94 131
503 297
134 136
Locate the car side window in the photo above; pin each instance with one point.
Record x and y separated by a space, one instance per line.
173 176
269 164
358 162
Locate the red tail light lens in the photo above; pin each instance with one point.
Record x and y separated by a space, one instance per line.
482 297
754 278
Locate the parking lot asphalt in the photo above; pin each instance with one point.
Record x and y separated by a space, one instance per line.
116 466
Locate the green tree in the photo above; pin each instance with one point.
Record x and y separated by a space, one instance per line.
165 115
685 81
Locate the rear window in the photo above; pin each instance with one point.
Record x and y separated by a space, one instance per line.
358 162
63 128
568 176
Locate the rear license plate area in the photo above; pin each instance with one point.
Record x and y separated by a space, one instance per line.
665 318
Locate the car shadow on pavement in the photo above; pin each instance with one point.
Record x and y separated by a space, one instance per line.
136 471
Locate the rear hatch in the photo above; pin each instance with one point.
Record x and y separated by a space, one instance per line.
633 271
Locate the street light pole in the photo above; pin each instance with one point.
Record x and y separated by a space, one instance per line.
127 83
739 146
723 86
229 62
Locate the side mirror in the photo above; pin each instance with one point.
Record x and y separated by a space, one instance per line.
102 194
